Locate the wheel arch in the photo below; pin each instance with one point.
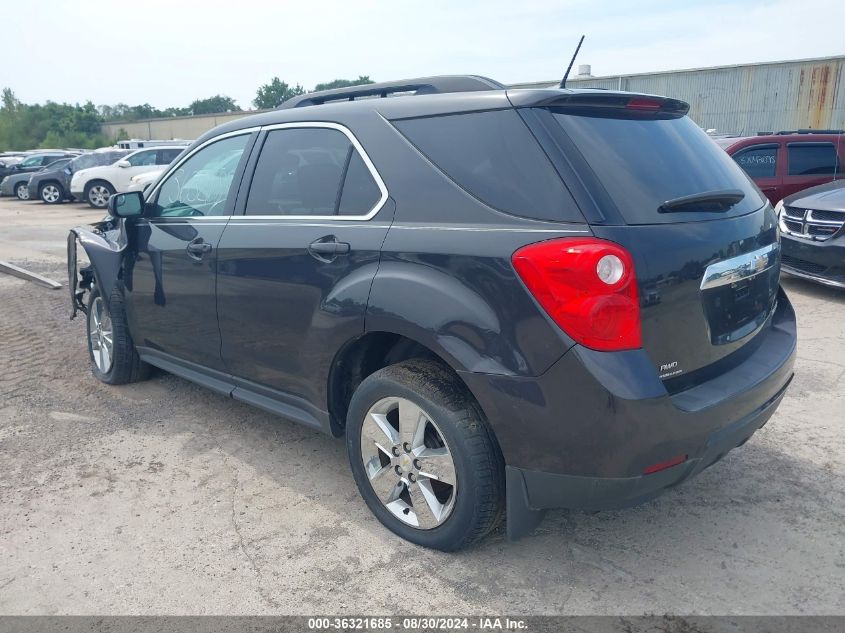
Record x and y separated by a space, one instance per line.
366 354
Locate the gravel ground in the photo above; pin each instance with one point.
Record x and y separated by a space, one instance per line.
163 498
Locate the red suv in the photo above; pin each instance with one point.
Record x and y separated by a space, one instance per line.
787 162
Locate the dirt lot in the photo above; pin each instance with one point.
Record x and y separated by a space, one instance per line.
164 498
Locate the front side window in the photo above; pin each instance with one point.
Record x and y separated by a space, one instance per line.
142 159
202 184
312 172
812 159
758 161
32 161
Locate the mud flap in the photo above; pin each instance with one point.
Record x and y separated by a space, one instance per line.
521 517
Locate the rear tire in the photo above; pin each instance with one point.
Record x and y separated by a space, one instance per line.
22 191
437 477
114 359
51 193
97 193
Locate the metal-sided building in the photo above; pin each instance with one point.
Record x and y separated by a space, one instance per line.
743 99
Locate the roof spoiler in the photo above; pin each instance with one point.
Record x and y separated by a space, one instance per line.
418 86
600 101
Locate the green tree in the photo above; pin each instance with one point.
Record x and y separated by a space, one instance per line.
10 101
275 93
213 105
344 83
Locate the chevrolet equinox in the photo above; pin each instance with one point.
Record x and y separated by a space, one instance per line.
505 300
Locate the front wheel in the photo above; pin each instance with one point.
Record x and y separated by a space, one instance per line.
98 193
22 191
423 456
114 359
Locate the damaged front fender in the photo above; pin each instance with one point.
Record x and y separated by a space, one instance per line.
105 245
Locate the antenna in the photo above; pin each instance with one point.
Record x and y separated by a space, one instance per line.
572 61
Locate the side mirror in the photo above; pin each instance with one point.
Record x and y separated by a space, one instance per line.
126 205
124 163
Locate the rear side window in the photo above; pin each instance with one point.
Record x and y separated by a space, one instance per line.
758 161
494 157
643 163
167 156
812 159
311 172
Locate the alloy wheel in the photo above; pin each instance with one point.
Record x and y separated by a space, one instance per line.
408 463
99 196
101 335
50 193
22 191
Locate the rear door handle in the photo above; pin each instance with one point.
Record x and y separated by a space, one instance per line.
197 248
328 246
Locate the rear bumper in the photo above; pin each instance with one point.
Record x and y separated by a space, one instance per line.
582 435
822 262
530 493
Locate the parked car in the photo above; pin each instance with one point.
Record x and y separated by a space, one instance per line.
812 233
788 162
8 159
53 185
45 184
19 174
492 294
96 184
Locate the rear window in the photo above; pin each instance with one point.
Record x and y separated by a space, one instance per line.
645 163
494 157
812 159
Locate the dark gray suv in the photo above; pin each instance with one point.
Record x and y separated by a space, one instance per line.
504 300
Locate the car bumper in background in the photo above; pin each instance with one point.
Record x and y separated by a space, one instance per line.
822 262
600 431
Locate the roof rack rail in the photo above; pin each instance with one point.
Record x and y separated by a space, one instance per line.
805 131
418 86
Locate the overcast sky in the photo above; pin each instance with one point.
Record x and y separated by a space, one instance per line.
170 52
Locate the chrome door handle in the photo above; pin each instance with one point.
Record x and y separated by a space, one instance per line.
328 247
197 248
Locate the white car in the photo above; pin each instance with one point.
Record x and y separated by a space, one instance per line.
142 181
97 184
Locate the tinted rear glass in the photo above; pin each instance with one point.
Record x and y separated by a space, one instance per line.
644 163
493 156
812 159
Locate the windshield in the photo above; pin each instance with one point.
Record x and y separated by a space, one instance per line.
644 163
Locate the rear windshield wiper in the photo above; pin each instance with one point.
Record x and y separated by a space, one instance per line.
709 201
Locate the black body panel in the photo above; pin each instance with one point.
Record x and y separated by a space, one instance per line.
170 295
285 313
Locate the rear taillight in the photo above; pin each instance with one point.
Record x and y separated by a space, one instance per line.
587 286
